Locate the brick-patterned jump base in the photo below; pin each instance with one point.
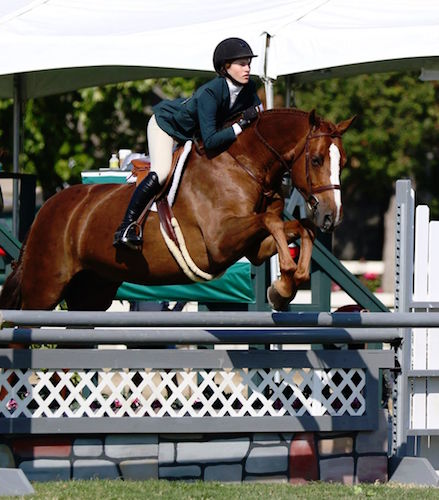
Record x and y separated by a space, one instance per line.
348 458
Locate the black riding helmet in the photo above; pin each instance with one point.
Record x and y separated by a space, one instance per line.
228 50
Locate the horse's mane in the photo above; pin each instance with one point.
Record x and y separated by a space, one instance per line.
331 127
294 111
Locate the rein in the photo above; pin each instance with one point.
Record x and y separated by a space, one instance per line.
267 192
247 170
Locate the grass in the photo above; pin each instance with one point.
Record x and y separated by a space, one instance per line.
179 490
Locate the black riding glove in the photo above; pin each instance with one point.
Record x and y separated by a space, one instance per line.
248 116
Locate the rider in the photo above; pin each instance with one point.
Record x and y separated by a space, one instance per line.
204 113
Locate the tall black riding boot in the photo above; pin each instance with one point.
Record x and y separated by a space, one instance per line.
129 233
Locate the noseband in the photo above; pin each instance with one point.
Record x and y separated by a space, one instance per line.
308 195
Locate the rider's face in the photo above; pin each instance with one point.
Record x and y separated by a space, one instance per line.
239 70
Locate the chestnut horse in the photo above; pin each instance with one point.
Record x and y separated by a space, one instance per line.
228 206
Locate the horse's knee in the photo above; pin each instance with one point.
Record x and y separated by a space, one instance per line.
289 268
301 277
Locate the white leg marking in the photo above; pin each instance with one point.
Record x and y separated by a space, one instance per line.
334 156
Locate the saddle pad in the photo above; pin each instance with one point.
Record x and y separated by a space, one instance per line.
177 175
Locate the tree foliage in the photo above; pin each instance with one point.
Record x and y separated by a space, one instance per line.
66 134
396 134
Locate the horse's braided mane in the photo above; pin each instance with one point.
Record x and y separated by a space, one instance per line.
331 126
294 111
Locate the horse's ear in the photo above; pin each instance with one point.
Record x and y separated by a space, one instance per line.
314 120
344 125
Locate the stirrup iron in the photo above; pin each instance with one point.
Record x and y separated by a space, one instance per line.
126 241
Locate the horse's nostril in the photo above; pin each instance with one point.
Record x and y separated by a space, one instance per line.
328 220
328 223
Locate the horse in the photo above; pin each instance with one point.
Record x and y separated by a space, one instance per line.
229 205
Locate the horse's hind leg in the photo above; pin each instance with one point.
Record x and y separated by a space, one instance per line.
41 291
89 292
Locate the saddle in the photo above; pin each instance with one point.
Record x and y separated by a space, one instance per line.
141 168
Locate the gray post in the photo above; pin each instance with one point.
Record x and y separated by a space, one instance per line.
404 241
269 93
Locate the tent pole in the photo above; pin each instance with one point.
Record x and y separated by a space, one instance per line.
16 152
268 82
269 92
269 104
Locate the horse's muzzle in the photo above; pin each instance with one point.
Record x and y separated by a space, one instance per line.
329 223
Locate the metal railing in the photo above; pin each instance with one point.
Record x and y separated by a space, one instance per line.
151 386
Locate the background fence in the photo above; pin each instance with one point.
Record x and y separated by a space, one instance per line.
417 290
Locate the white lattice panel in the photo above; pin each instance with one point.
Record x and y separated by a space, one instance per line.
182 393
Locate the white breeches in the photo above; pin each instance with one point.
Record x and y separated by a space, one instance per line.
160 146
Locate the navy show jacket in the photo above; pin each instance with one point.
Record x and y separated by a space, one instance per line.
204 113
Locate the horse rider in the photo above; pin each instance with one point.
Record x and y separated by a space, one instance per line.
211 105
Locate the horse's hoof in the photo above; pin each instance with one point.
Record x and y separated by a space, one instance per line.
277 301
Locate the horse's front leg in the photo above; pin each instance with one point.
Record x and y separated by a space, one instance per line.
282 291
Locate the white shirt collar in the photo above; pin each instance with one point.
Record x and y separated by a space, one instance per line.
234 91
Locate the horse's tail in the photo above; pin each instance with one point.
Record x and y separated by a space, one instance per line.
10 296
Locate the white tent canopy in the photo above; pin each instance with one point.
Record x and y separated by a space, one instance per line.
60 45
336 35
53 46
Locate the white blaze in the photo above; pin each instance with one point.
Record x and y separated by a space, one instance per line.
334 157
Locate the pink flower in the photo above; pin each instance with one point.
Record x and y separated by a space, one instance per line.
370 276
11 405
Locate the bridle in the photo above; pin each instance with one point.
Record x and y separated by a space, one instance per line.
310 191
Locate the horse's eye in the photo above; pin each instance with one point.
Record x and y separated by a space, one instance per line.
317 160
